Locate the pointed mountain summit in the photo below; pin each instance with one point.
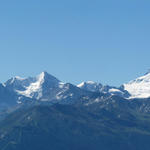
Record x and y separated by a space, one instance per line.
44 76
39 85
43 87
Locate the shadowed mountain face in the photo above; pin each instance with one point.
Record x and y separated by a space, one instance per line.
68 127
7 98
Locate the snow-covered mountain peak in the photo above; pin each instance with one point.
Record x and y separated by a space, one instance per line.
140 87
41 83
90 86
44 76
41 75
34 87
97 87
46 87
40 78
18 83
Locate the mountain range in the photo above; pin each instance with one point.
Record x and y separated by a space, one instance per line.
45 113
46 87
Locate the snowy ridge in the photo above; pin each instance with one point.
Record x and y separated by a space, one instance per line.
46 87
97 87
35 87
140 87
113 90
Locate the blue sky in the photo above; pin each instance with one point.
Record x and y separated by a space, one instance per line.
107 41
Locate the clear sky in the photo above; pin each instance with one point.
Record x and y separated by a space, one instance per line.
107 41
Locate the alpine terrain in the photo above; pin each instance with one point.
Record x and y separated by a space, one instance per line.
44 113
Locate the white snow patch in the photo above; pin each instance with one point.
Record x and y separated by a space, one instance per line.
139 88
87 82
114 90
90 82
34 87
97 100
19 102
61 85
81 84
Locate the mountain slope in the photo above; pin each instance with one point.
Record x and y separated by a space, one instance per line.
68 127
53 115
32 87
7 98
140 87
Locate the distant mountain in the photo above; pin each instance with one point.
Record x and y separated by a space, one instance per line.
98 87
140 87
47 88
43 88
33 87
44 113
